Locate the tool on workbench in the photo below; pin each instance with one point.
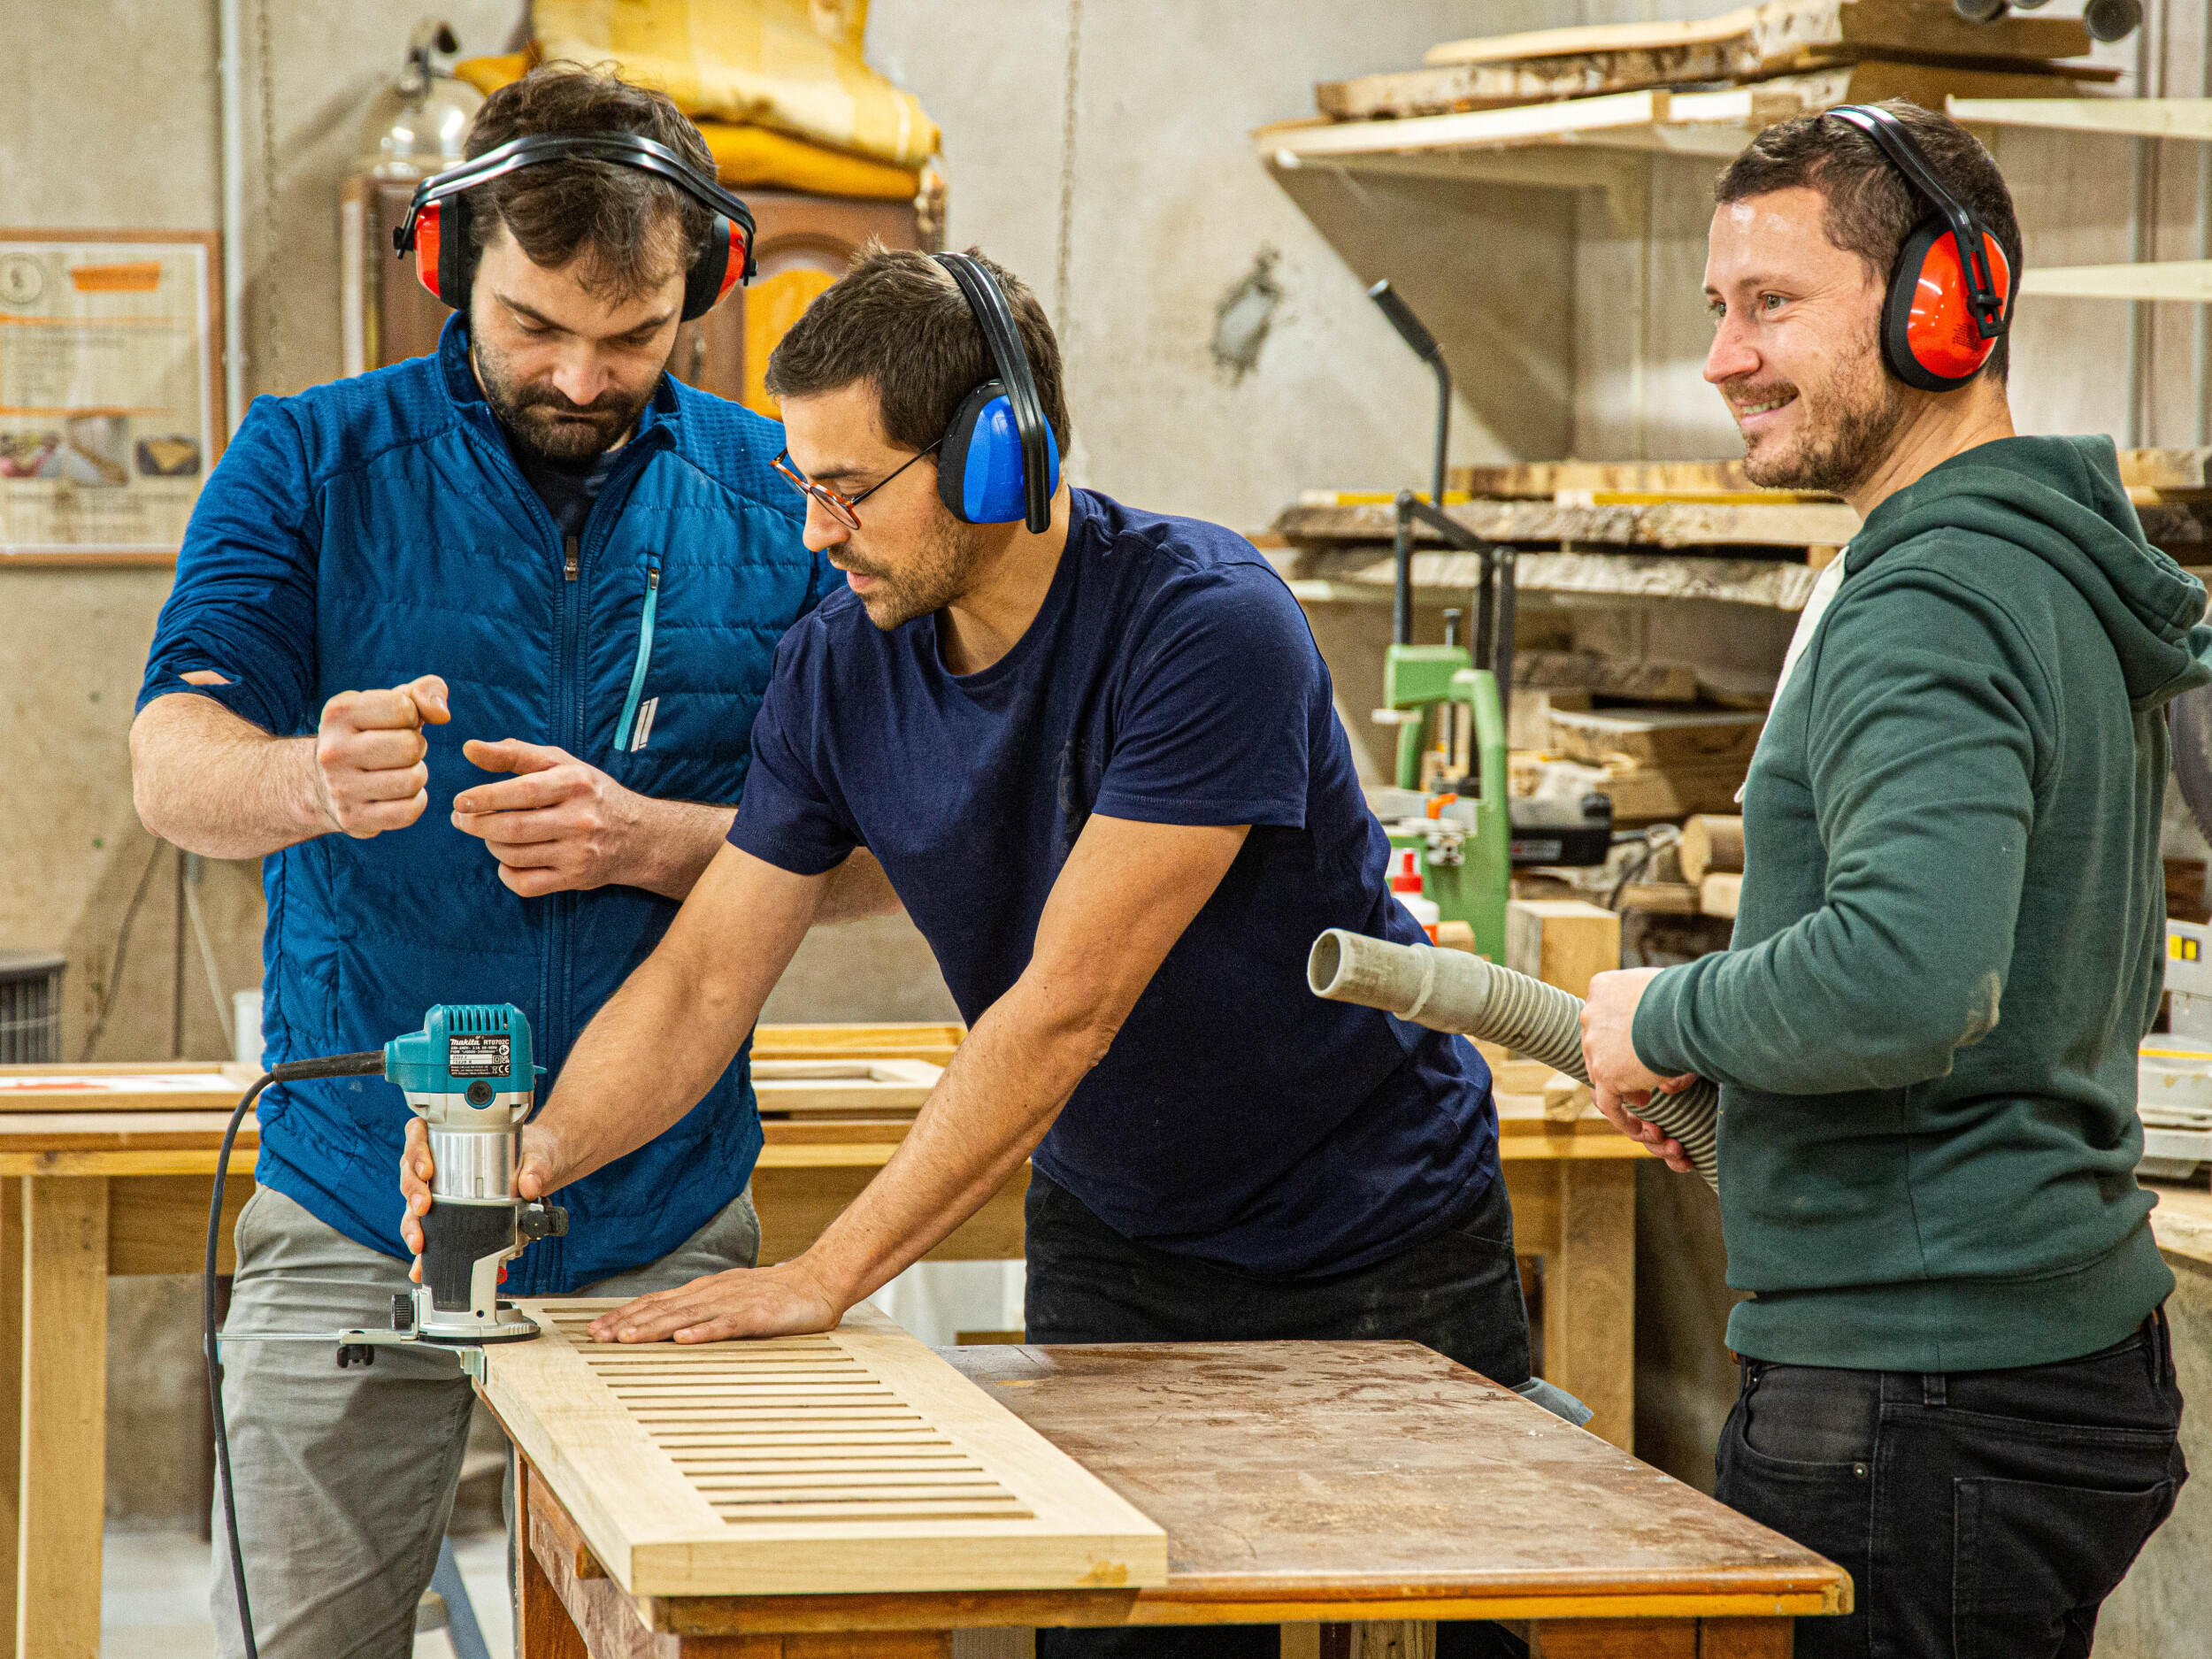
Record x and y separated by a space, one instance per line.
1479 834
2173 1068
468 1074
1457 991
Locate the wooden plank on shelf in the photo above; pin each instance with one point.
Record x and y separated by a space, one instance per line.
1783 587
1718 893
1792 524
1719 123
852 1462
2167 471
1543 480
2187 281
1605 676
1661 898
1458 88
1654 737
2139 117
1778 30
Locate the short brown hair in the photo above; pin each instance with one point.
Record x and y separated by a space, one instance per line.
632 229
898 322
1871 209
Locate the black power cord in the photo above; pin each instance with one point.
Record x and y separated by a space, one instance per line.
368 1063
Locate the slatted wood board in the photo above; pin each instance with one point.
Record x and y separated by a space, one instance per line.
852 1462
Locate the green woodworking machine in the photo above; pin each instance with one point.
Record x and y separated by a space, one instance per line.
1460 816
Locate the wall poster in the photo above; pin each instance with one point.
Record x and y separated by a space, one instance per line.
111 392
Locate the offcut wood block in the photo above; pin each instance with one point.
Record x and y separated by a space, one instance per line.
1562 942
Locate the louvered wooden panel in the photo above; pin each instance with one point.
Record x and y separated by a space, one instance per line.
855 1461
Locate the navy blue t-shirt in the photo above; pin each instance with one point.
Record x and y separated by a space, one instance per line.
1169 678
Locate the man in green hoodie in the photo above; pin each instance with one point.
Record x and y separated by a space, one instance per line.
1956 1377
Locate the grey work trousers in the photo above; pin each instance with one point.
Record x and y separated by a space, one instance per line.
345 1479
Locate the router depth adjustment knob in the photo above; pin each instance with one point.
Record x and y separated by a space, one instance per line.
541 1221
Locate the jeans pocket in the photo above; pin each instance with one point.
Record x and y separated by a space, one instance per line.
2029 1553
1827 1506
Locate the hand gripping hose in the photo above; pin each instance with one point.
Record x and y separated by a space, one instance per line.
1458 991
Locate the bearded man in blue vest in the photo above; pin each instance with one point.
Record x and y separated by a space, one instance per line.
468 650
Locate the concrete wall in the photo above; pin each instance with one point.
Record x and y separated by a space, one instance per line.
115 123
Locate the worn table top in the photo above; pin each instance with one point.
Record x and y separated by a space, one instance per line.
1300 1471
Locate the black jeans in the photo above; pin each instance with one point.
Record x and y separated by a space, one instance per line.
1980 1514
1458 1293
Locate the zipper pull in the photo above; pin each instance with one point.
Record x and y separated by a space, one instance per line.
569 559
653 578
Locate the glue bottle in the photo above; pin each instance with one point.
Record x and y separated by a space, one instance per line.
1405 881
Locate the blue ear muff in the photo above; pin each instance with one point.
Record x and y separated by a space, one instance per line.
979 463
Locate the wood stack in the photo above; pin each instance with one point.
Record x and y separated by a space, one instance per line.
1806 54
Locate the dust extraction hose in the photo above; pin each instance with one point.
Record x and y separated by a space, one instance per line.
1458 991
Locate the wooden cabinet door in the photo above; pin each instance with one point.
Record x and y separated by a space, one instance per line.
801 244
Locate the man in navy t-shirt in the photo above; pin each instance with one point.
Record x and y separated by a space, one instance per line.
1101 767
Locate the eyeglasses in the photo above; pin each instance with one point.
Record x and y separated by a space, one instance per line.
839 507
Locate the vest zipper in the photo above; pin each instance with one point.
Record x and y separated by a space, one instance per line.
569 559
644 654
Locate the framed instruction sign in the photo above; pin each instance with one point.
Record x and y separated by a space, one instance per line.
111 392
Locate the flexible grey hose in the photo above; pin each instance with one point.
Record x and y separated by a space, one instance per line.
1458 991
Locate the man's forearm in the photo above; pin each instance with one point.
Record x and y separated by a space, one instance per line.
1006 1084
681 839
217 785
657 1045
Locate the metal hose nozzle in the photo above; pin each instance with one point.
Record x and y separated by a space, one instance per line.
1458 991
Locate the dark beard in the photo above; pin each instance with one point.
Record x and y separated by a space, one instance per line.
1864 425
934 580
545 425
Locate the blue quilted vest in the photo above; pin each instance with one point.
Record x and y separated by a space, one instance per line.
377 528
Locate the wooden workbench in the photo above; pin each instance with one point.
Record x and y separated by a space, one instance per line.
1299 1483
125 1191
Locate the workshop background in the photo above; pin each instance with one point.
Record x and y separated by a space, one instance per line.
1223 361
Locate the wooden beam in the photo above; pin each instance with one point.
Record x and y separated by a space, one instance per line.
1590 1295
1565 942
60 1501
2137 118
2187 281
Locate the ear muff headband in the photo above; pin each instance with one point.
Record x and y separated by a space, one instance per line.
1949 294
976 443
441 245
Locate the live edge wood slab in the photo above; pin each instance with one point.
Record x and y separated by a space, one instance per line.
1297 1483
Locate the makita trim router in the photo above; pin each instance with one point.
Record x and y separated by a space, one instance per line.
468 1074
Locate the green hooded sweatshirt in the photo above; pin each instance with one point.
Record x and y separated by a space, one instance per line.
1951 935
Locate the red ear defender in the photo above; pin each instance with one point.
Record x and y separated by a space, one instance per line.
426 244
740 261
1929 336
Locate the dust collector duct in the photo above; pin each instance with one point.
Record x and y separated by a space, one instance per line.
1458 991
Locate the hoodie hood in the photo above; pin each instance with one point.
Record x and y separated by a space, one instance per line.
2061 500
